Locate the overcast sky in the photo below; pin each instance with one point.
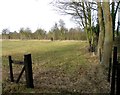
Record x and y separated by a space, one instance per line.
29 13
15 14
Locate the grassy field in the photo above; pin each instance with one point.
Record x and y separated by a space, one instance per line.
58 66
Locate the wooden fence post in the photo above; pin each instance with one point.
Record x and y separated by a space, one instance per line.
109 71
28 71
11 70
114 71
118 80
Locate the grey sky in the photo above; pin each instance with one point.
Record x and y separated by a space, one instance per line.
29 13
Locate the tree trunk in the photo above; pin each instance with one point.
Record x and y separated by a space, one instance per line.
113 18
88 29
113 14
86 26
102 30
118 28
108 41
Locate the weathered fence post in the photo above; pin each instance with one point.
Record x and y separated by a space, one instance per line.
109 71
114 71
28 70
11 71
118 80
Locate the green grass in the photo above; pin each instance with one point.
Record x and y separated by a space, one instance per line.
57 66
49 53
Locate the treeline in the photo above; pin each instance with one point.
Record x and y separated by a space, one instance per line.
40 34
57 32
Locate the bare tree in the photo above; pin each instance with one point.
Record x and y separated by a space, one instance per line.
80 12
115 6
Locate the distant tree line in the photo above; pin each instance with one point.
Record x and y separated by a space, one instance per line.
57 32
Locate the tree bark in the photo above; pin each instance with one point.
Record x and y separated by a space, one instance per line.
102 30
108 41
